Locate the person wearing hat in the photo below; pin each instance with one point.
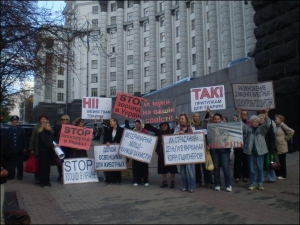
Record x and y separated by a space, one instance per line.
17 138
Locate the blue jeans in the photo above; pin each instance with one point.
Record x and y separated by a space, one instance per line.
258 162
271 175
188 176
221 158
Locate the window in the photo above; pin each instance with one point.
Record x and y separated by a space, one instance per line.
194 73
61 70
113 62
162 21
161 6
113 34
146 56
73 95
147 87
94 64
95 10
130 45
162 68
130 3
162 37
162 52
113 20
130 89
178 47
60 84
113 7
194 59
163 83
112 48
208 53
129 74
146 41
193 42
177 31
113 76
73 82
178 77
129 17
192 7
60 96
60 111
129 59
193 24
94 23
178 64
207 17
94 78
146 71
177 15
129 30
146 26
113 90
146 12
207 33
94 91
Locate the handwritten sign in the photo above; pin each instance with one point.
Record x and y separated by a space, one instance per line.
225 135
94 107
108 158
257 96
184 149
127 104
158 111
212 97
79 170
75 137
137 145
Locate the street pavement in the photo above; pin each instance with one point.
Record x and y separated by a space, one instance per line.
101 203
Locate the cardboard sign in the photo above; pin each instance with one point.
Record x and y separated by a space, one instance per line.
158 111
257 96
137 145
127 104
107 158
94 107
212 97
225 135
184 148
79 170
75 137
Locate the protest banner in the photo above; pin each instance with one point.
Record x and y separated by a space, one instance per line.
225 135
75 137
94 107
127 104
79 170
184 148
212 97
138 146
256 96
158 111
107 158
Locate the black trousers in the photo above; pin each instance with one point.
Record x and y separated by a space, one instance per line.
240 166
113 177
16 162
207 174
140 171
281 172
45 159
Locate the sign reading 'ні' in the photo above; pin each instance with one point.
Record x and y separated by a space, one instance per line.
94 107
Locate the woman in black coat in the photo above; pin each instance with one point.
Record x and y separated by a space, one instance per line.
112 135
46 150
161 168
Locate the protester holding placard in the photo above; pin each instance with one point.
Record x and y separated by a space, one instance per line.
255 147
161 168
112 135
77 153
140 169
187 170
221 158
208 117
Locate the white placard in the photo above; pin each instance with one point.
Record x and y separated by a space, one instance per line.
257 96
108 158
184 148
137 145
79 170
94 107
204 97
200 131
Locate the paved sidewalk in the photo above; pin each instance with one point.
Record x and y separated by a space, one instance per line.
100 203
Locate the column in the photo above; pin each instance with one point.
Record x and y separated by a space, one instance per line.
226 33
249 28
239 29
152 47
136 47
213 36
169 43
120 47
199 38
183 40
